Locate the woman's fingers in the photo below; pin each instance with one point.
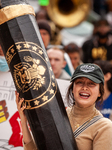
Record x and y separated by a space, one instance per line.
19 102
23 107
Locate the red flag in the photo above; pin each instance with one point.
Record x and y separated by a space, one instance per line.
16 137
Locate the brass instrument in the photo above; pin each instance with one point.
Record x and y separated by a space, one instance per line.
68 13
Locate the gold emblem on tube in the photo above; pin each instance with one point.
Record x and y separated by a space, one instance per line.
32 74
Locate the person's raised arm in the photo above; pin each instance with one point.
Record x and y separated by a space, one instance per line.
25 130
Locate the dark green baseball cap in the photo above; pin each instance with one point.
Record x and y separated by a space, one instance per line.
90 71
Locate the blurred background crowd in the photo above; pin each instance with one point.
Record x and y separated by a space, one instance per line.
76 32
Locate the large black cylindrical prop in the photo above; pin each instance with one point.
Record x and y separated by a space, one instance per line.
33 76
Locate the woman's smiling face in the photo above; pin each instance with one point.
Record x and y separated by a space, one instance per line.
85 92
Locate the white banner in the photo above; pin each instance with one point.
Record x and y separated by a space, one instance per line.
10 125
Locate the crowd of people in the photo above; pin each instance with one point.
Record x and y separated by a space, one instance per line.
89 95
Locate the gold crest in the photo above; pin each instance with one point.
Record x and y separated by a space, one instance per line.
31 73
27 76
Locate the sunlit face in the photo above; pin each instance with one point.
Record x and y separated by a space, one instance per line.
57 62
85 92
75 59
45 37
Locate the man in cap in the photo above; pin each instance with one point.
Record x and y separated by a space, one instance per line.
45 31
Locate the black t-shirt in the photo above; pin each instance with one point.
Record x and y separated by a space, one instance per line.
99 52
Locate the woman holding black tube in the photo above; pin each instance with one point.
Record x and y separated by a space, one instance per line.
91 130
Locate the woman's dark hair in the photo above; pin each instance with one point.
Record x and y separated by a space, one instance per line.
70 97
106 67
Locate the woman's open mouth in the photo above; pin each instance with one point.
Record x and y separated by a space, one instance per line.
84 95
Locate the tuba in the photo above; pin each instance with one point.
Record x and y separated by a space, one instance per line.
68 13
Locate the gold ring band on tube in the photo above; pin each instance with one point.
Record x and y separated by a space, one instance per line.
10 12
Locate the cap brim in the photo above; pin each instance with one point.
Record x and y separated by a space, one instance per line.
87 76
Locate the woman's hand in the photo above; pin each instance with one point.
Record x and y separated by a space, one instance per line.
20 108
26 133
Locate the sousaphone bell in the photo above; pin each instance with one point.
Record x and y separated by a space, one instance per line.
68 13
